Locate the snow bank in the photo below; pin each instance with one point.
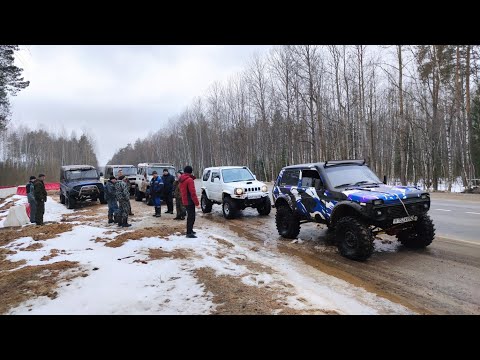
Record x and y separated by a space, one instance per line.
53 209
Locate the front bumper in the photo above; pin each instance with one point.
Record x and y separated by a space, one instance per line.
386 213
251 196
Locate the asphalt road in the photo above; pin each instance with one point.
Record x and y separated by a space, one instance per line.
456 216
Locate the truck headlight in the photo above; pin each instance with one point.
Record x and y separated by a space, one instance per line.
424 196
378 202
238 191
264 188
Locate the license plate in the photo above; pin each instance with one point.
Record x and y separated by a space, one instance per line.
405 219
254 196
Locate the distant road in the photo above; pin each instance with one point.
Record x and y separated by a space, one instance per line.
456 216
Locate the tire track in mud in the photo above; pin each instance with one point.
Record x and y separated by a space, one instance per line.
442 279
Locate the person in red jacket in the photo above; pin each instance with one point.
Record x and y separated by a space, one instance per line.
189 198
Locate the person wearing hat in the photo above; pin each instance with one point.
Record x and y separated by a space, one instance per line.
189 198
31 198
111 198
122 194
156 190
40 195
168 190
181 212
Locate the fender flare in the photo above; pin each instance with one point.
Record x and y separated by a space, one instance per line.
285 198
345 207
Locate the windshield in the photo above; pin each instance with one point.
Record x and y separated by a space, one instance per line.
159 170
125 171
343 176
81 174
233 175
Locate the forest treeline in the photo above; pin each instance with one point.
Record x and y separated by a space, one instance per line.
25 152
411 111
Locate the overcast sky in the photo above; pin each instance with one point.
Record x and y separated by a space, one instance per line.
118 93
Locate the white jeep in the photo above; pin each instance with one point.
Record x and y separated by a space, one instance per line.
235 188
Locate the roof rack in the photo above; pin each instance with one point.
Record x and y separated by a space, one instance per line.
342 162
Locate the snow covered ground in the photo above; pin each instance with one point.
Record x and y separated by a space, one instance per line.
159 274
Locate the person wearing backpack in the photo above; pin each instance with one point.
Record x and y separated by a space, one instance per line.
156 190
31 198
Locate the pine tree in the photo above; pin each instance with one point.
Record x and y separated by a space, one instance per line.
11 81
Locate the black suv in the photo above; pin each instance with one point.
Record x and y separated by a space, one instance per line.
79 183
350 199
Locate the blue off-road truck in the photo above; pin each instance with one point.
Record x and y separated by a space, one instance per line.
350 199
80 183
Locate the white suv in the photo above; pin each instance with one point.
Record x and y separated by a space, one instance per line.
235 188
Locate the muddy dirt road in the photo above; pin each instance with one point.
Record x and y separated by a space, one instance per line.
442 279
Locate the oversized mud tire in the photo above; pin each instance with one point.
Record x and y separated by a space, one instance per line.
229 208
354 238
288 224
70 202
266 207
62 199
206 204
421 235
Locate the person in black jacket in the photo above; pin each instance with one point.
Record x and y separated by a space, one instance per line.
31 198
168 190
40 197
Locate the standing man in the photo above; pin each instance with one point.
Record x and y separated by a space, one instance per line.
189 198
168 190
156 190
111 198
31 198
40 195
123 196
127 184
181 212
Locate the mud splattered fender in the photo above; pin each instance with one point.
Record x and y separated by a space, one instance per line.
346 207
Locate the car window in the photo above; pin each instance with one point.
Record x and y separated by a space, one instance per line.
290 177
311 178
81 174
215 174
237 174
206 175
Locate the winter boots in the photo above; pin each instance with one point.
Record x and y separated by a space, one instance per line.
122 222
158 212
125 223
110 219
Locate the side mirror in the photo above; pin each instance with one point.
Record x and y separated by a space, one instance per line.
385 179
255 176
216 179
101 174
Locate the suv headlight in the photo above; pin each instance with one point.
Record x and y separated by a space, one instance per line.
238 191
378 202
264 188
424 196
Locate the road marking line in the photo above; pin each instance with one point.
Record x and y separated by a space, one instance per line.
452 240
443 210
469 212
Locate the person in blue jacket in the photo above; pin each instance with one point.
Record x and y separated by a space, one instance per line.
156 191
